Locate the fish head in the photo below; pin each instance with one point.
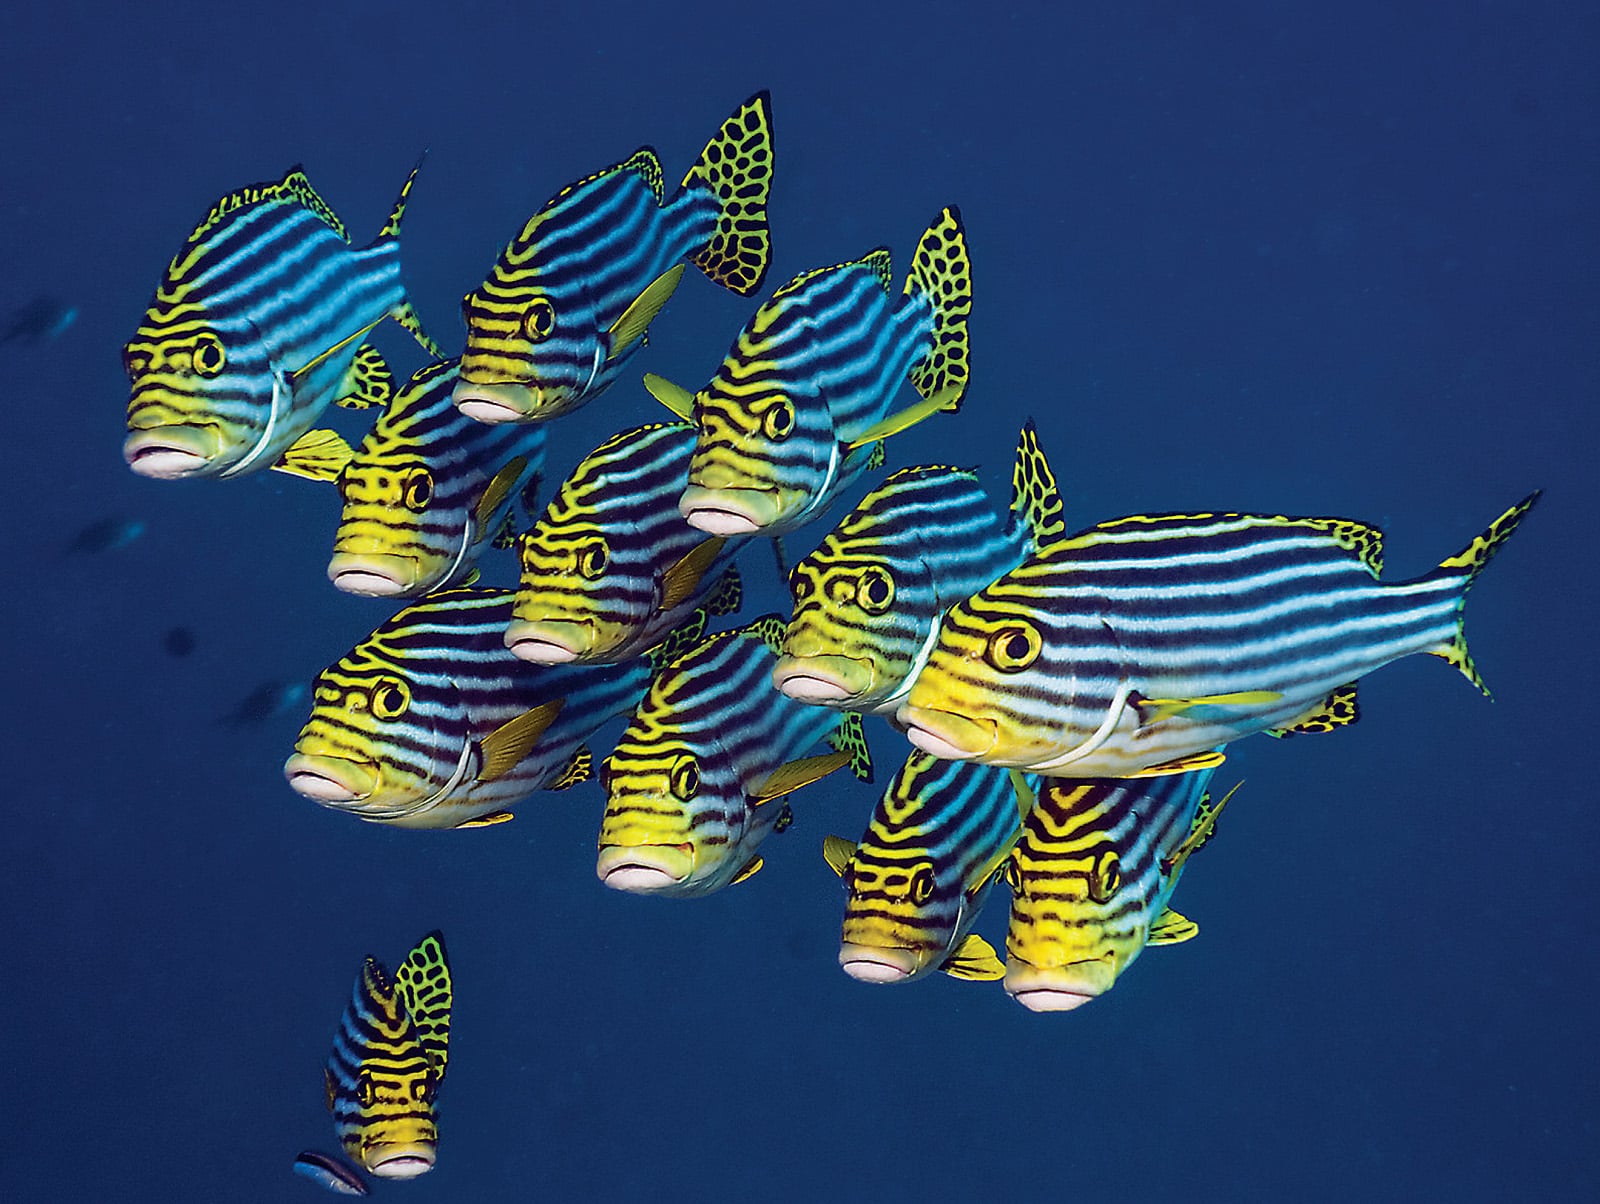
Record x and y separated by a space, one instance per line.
761 460
675 818
533 351
397 537
577 598
204 396
901 916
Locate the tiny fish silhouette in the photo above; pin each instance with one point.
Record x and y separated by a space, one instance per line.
40 319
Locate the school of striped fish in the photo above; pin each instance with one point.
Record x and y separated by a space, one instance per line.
1059 700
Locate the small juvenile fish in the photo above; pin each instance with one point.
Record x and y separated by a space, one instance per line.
1090 878
267 701
40 319
573 295
692 788
255 327
426 492
796 410
331 1173
106 535
610 566
388 1062
920 874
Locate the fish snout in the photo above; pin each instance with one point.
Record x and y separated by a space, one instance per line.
502 401
645 869
946 735
169 452
400 1160
551 641
331 781
1058 988
729 511
823 680
375 574
878 963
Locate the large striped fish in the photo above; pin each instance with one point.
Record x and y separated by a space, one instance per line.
693 786
611 566
793 414
1090 879
867 602
573 294
425 493
388 1060
255 328
920 874
431 723
1141 645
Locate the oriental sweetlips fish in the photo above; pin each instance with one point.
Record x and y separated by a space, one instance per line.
937 842
867 602
255 328
793 414
693 785
425 493
573 295
1090 879
431 723
611 566
1141 645
388 1060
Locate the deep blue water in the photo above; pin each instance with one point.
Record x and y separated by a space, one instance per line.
1333 263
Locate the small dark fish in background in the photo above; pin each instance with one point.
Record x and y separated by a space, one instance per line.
179 641
333 1173
105 535
267 701
40 319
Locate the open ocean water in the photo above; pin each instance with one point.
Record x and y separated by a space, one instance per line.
1333 259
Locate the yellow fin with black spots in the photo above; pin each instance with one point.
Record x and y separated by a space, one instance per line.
1338 709
579 768
368 382
423 981
736 168
942 272
851 737
1035 498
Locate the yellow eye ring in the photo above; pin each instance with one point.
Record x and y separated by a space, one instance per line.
391 698
539 320
685 778
875 591
417 491
1014 647
208 356
922 885
1106 877
592 560
778 421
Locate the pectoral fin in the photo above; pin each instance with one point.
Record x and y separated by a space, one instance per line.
749 869
1171 928
837 851
786 779
1152 709
974 961
1201 831
636 319
508 744
487 821
317 455
1206 760
675 397
498 490
683 578
945 399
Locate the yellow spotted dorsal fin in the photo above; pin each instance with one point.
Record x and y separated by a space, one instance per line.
682 579
876 260
974 960
1153 709
499 489
728 594
294 188
941 271
837 851
423 982
1204 760
318 455
788 778
642 163
1338 709
508 744
579 768
736 169
850 737
748 870
675 397
636 319
1172 928
492 820
905 419
1366 542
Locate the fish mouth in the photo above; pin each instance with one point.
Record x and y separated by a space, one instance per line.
504 401
375 575
729 511
400 1161
878 964
331 781
824 680
946 735
171 452
645 869
1058 988
551 641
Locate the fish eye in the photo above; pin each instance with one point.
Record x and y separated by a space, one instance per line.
364 1090
417 491
1014 648
685 778
922 885
592 560
1014 877
208 356
875 591
390 698
422 1089
539 320
1106 877
778 421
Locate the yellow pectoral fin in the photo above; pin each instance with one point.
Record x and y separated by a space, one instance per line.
1152 709
498 489
974 961
1171 928
750 867
1189 764
682 579
317 455
786 779
1027 800
487 821
509 743
837 851
636 319
905 419
675 397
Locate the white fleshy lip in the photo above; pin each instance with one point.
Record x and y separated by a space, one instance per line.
496 403
170 453
877 965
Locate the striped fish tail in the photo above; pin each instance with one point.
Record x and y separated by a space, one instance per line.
850 737
736 168
405 314
1465 565
941 271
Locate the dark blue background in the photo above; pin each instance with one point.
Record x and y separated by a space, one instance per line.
1261 258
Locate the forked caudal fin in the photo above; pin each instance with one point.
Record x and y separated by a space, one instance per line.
404 313
736 168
